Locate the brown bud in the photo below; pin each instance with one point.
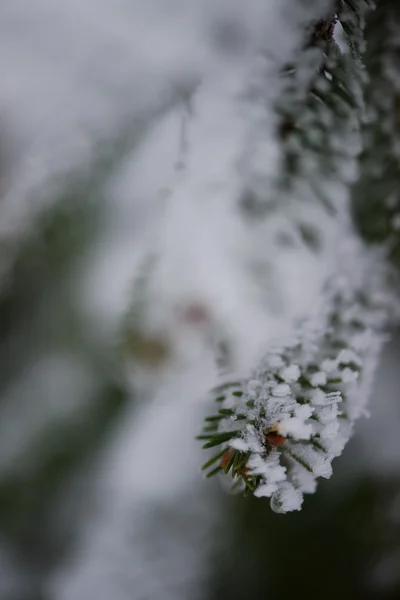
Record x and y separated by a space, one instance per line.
273 438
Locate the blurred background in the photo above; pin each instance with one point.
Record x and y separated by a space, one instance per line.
101 492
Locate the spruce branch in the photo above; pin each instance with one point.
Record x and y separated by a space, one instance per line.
278 431
321 108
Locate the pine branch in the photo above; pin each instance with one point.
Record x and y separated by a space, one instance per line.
321 108
278 431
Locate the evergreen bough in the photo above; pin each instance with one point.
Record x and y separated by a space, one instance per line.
278 430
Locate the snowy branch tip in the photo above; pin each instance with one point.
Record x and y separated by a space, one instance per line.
278 431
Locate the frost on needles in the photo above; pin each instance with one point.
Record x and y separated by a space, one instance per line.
277 431
280 429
